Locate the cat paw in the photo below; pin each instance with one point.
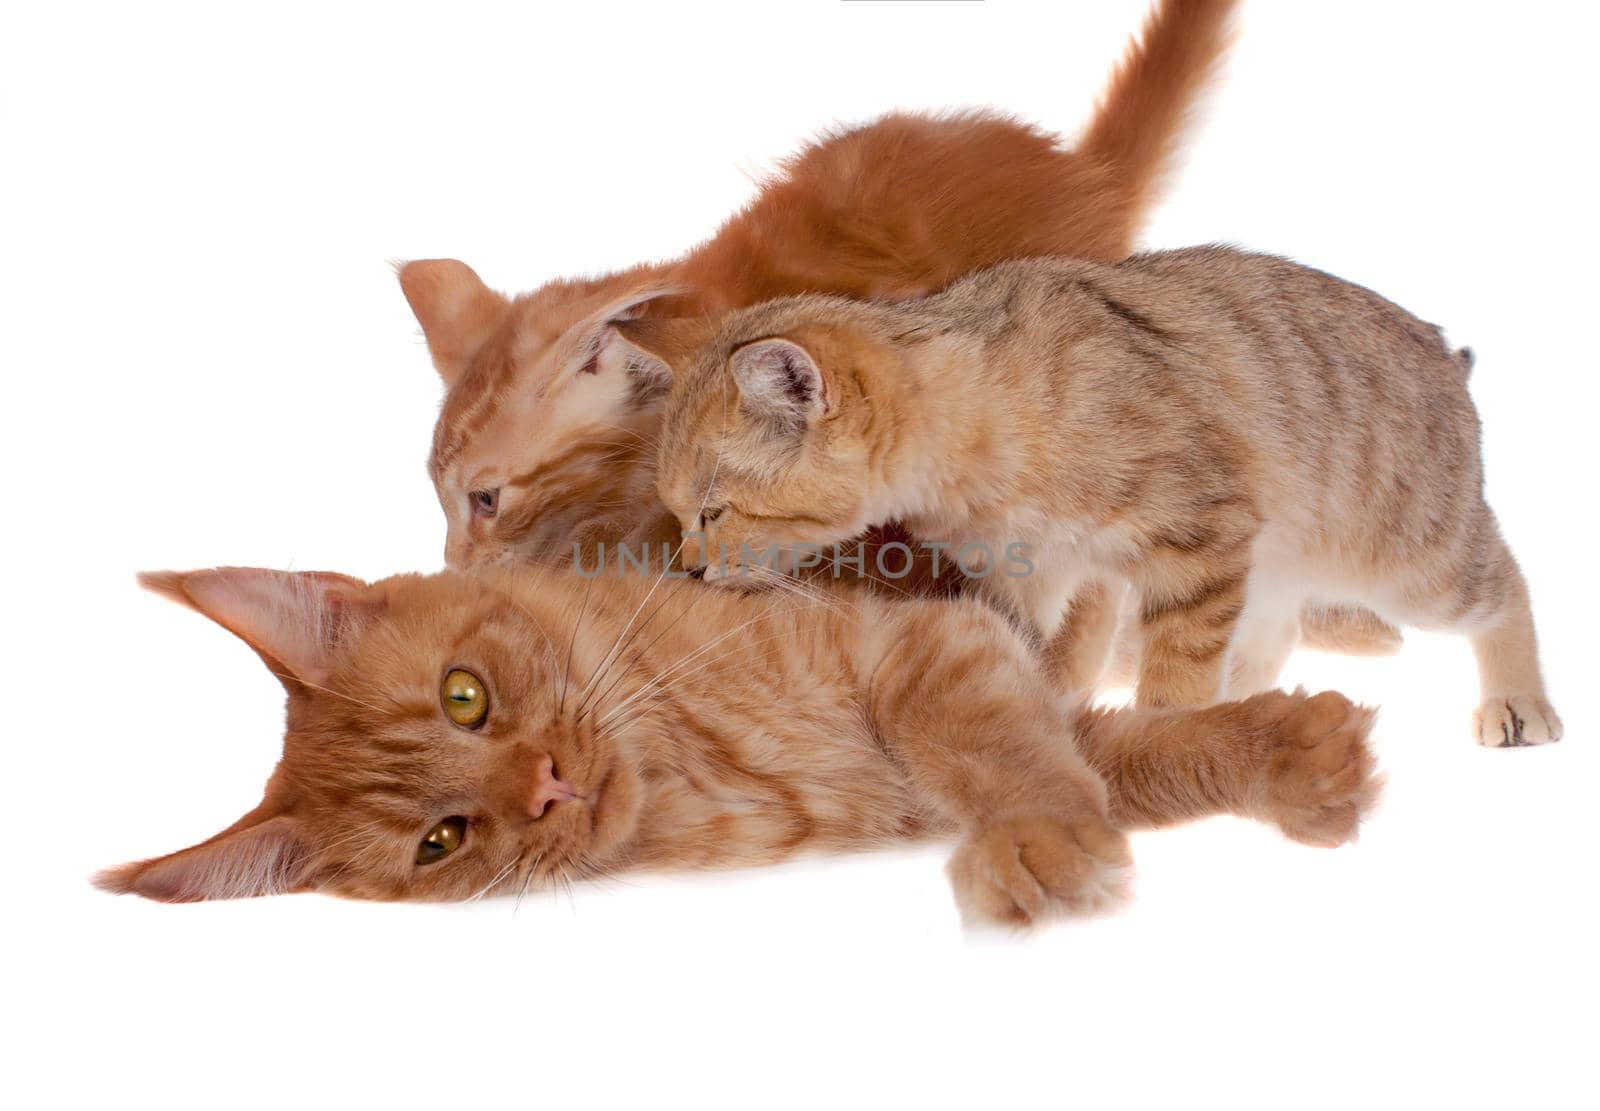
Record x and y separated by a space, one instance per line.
1322 779
1023 871
1515 722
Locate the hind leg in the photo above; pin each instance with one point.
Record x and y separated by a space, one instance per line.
1515 710
1486 598
1347 629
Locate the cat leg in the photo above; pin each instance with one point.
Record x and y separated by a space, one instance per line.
1514 709
1350 630
1187 623
1262 642
1262 646
1126 652
960 704
1485 597
1077 655
1299 762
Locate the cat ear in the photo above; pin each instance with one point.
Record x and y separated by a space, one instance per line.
616 354
456 310
780 382
603 349
260 854
651 347
294 620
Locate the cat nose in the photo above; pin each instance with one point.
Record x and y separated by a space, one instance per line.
548 789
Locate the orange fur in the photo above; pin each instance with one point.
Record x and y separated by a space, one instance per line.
900 207
1232 438
543 445
688 728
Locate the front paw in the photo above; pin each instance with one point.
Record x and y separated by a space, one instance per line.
1516 722
1321 778
1022 871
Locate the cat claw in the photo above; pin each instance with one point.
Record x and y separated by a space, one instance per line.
1520 721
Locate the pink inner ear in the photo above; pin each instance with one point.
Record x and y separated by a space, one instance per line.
265 858
779 378
296 619
618 354
799 381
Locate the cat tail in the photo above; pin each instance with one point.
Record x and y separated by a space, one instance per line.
1139 124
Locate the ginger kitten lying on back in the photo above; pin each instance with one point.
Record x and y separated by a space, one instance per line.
1233 435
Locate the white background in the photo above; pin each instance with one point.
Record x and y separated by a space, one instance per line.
207 360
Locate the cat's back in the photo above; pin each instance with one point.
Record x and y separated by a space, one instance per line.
1188 289
1345 397
1319 387
1268 296
904 206
1268 329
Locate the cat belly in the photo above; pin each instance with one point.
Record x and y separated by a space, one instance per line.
1293 571
1288 573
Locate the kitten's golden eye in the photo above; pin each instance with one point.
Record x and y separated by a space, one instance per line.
464 698
442 840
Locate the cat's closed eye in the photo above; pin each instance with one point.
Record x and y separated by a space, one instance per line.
442 840
711 513
464 698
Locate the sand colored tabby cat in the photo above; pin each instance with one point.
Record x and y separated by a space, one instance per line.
459 735
1232 435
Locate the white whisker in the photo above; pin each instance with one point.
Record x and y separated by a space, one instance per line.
500 875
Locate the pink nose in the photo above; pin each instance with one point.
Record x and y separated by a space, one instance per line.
548 789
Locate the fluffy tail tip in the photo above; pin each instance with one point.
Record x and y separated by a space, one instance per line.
116 881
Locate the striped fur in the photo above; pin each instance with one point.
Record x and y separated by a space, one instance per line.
900 207
700 729
547 413
1234 438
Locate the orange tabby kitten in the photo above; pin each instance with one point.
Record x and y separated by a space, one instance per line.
455 735
545 436
1232 435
